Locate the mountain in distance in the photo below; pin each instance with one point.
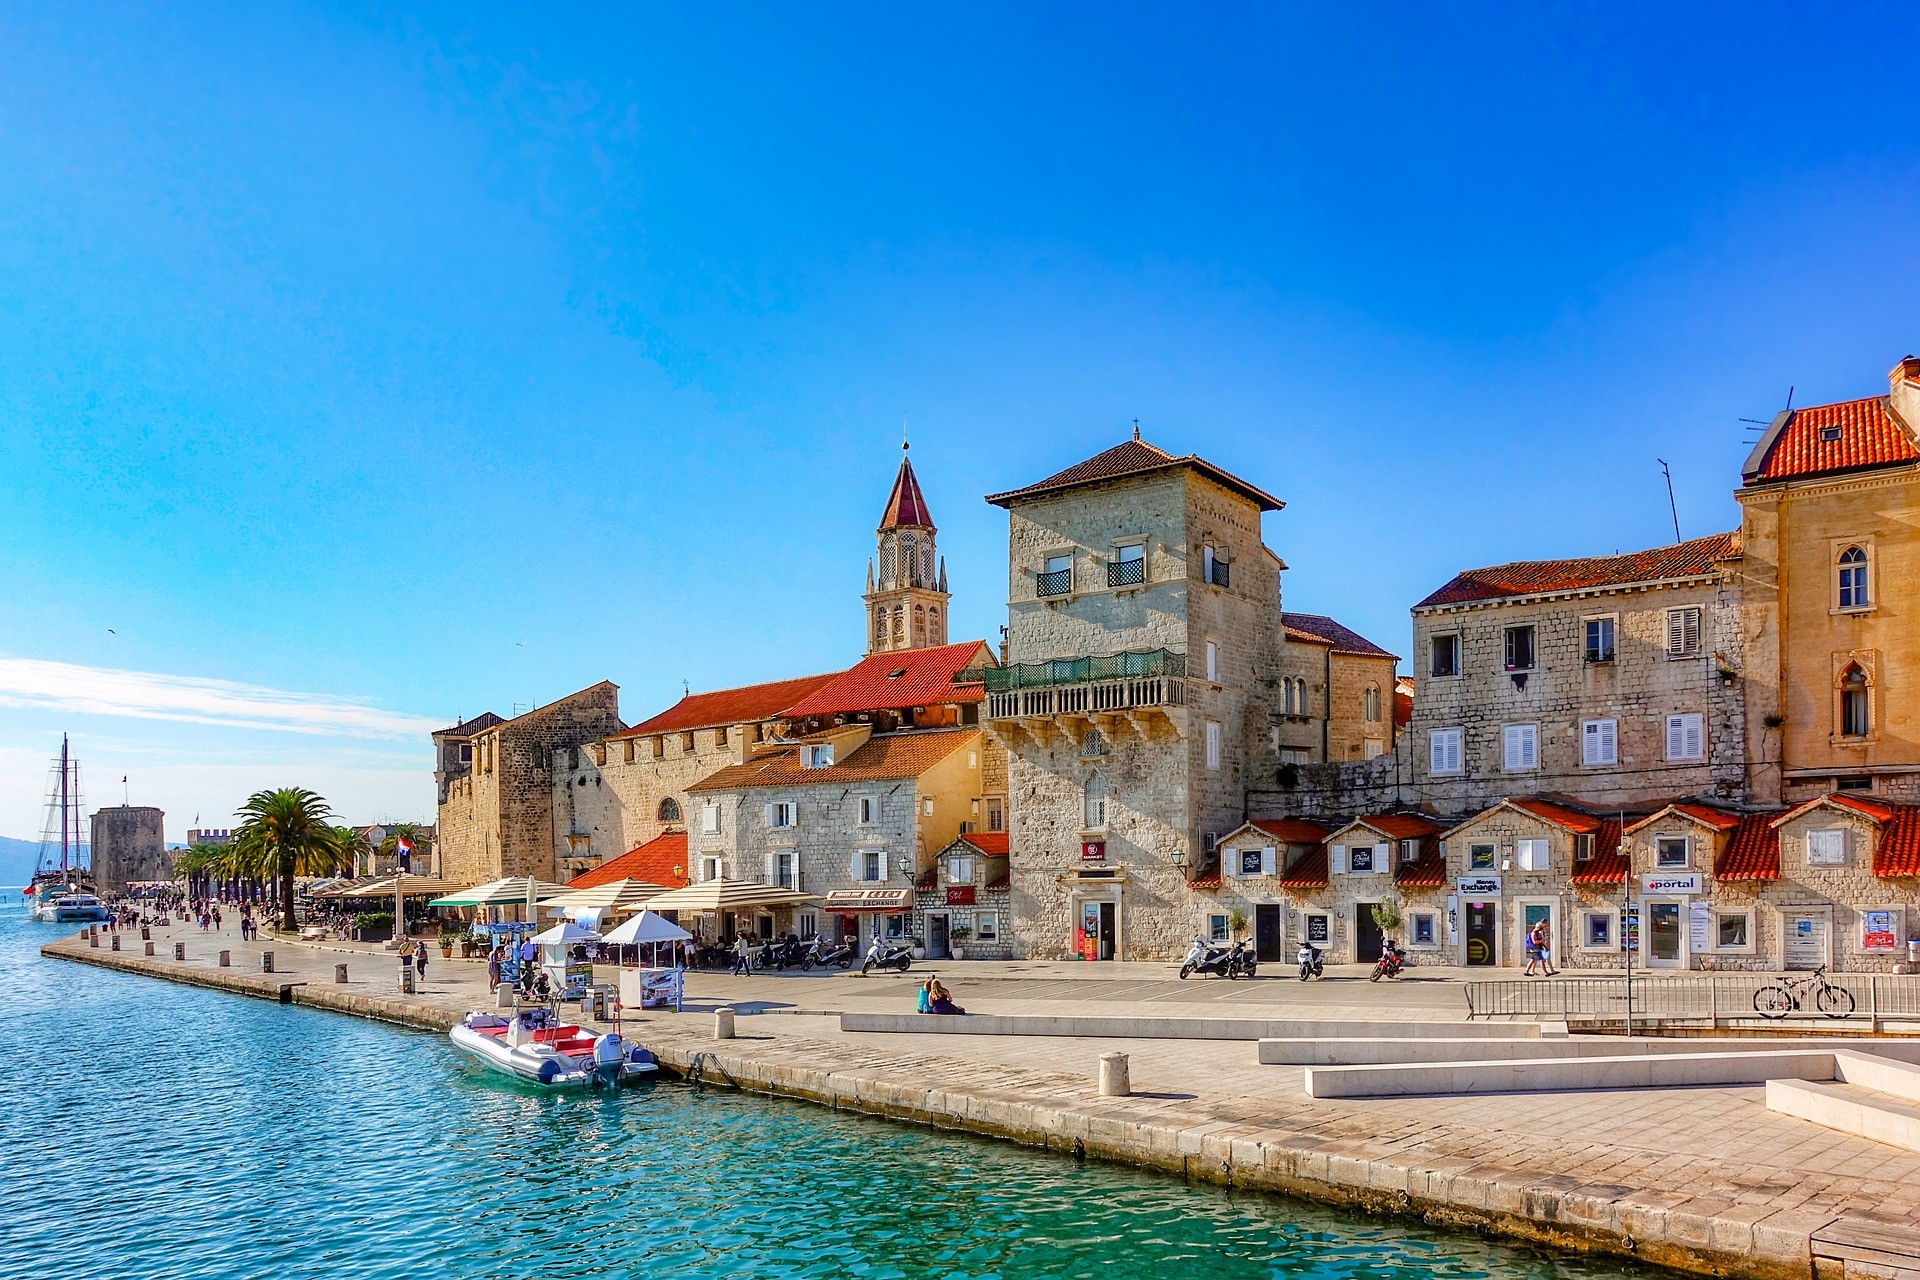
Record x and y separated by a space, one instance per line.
19 858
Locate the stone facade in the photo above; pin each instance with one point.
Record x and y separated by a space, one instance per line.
966 889
129 846
1337 694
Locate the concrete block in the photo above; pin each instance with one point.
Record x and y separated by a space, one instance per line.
224 959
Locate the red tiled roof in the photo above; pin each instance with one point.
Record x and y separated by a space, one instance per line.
1402 708
1428 871
906 505
1206 880
1718 819
991 843
1690 559
1752 851
1308 873
1873 809
1559 815
883 757
1898 853
1397 826
1607 865
1131 458
1866 434
729 706
1315 628
890 681
1292 830
661 860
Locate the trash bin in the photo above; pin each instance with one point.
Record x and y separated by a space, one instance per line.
407 986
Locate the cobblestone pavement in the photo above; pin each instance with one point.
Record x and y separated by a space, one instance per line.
1661 1164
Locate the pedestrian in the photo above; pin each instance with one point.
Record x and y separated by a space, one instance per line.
1544 937
1536 950
493 969
420 960
742 956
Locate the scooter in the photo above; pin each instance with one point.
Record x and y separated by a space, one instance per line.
1392 960
828 955
1242 962
1311 966
886 955
1205 958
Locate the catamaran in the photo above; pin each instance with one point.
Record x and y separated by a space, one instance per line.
63 891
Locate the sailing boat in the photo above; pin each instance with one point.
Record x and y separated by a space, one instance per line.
63 891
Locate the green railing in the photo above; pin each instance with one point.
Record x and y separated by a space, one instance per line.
1062 671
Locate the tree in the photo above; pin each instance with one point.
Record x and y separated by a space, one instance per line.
287 833
1386 914
1236 922
390 847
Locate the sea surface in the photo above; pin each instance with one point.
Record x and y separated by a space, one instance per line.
154 1130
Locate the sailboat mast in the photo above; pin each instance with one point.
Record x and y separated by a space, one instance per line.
63 804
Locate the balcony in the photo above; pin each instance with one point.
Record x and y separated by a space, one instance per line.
1126 573
1057 583
1117 684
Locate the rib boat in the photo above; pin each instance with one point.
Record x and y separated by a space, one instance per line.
537 1048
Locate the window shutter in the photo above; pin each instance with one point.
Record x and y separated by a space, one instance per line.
1691 631
1383 856
883 866
773 873
1609 741
1693 730
1269 861
1676 737
854 869
1676 632
1339 860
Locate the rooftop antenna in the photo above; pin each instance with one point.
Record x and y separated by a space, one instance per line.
1668 473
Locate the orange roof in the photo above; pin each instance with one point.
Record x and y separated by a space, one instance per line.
1402 708
1292 830
905 505
1752 852
1691 559
1607 865
1208 879
991 843
882 757
661 860
1719 819
890 681
729 706
1308 873
1315 628
1397 826
1898 853
1428 871
1871 809
1559 815
1134 457
1853 435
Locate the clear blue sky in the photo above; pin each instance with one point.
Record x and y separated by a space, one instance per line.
393 365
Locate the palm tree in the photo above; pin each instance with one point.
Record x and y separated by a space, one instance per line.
352 845
287 833
390 847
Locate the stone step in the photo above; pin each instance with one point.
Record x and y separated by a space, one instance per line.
1543 1075
1848 1108
1151 1028
1386 1048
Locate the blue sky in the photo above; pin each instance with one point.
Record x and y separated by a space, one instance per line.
364 368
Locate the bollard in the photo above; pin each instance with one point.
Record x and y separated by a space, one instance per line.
407 983
93 938
723 1023
149 948
1113 1075
339 973
503 996
114 942
179 951
266 962
146 934
226 959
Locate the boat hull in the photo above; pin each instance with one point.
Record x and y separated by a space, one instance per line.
542 1065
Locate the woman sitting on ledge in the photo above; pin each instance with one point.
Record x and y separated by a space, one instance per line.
935 998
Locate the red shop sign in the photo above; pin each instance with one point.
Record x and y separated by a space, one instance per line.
960 895
1093 851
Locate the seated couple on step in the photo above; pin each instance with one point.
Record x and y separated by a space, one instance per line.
935 998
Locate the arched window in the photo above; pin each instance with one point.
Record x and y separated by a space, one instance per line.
926 565
879 627
908 558
1853 579
933 622
1286 689
1096 801
1856 702
669 810
886 562
1300 695
1370 702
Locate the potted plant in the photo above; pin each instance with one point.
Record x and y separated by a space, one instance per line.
447 938
917 946
957 935
373 926
1236 922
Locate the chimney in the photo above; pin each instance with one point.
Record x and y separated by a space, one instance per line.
1903 392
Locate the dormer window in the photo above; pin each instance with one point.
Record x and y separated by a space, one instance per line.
1829 434
818 755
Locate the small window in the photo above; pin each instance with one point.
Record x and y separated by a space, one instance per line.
783 870
1670 852
1583 848
710 818
1829 434
1129 568
996 813
781 814
1446 655
710 868
986 926
669 810
1057 578
1532 854
818 755
960 869
1370 703
1731 931
1213 568
1599 742
659 746
1409 851
1213 662
1519 648
1217 928
720 738
872 865
1686 737
1827 847
1853 578
1855 704
627 751
1480 857
1443 750
1521 747
1095 794
1599 639
1683 632
926 806
869 810
1213 744
1853 784
686 742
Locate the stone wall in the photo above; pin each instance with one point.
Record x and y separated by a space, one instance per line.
128 846
606 796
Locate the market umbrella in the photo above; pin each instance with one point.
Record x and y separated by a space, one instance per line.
405 884
615 895
564 934
727 895
646 928
514 891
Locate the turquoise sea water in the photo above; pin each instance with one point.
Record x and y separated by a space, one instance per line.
161 1131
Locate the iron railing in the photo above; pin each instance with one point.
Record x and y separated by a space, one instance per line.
1219 577
1712 999
1126 573
1067 671
1057 583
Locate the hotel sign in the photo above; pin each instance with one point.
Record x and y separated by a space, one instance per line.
960 895
1475 888
1684 882
1093 851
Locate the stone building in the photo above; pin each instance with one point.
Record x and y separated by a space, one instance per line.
129 846
1337 693
1140 699
907 578
496 785
962 902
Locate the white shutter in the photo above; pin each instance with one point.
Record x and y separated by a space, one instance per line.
854 867
1521 752
1269 861
1695 733
1609 741
1339 859
1690 632
772 875
1383 856
1230 862
883 866
767 818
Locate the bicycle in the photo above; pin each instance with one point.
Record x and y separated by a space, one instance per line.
1784 996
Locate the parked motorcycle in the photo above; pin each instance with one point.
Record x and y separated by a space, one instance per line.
1392 960
1242 962
1205 957
828 955
886 955
1311 965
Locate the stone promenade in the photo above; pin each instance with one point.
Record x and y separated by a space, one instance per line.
1705 1179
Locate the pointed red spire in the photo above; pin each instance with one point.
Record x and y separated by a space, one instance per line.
905 505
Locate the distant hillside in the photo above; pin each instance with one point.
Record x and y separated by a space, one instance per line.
17 861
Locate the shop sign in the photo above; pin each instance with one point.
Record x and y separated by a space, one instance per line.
1475 888
1093 851
1876 931
1684 882
960 895
1317 929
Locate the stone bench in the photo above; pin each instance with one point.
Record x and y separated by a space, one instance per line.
1149 1028
1546 1075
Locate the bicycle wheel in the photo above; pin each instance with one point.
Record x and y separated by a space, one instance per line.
1772 1002
1835 1002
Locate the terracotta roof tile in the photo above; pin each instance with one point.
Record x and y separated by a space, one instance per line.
1752 852
991 843
1823 439
890 681
1608 865
661 860
1293 830
1132 458
1428 871
1209 879
1866 808
1402 708
1315 628
905 505
883 757
1898 853
1308 873
1400 826
1560 815
1721 820
1691 559
729 706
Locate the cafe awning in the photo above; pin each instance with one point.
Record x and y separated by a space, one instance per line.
511 892
869 900
406 885
616 896
729 895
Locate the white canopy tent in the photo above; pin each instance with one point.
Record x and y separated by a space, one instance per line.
645 929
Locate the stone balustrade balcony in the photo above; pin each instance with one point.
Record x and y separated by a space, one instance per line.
1121 685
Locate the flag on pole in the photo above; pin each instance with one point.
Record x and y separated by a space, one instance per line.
404 847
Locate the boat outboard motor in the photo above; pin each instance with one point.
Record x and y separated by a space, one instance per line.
609 1056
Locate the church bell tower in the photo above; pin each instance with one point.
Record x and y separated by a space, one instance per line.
907 580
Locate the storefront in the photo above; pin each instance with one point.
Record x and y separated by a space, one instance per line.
865 914
963 903
1094 901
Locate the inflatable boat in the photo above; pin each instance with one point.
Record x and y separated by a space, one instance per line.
536 1047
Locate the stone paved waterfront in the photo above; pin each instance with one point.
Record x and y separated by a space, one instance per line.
1704 1178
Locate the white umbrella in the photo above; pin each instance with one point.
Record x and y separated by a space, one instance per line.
616 895
564 934
646 928
727 895
511 892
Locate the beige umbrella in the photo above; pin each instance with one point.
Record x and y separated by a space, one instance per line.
405 884
613 896
514 891
728 895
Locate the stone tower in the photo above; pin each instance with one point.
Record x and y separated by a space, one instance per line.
907 581
129 847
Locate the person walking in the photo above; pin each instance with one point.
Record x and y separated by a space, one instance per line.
742 956
1544 936
1536 951
493 969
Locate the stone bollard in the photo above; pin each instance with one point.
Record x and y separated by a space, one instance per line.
113 943
503 996
179 951
226 959
93 939
146 934
266 962
339 973
723 1023
408 983
149 947
1113 1075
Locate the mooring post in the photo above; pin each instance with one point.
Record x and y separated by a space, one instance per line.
723 1023
1113 1076
226 959
266 962
340 973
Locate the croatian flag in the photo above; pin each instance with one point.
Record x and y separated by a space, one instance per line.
404 847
